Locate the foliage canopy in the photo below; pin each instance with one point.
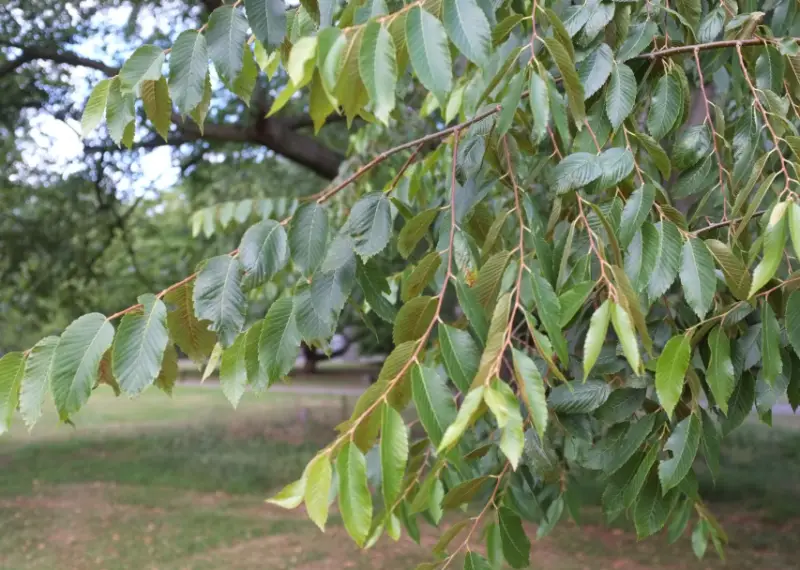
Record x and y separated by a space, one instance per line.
593 254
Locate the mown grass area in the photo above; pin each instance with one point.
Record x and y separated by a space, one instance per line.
171 484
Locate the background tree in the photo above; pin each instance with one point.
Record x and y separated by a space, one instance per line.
594 280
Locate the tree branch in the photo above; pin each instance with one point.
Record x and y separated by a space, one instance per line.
703 47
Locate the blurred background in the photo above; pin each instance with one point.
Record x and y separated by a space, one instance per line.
179 482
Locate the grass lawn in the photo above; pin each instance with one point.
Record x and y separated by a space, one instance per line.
173 484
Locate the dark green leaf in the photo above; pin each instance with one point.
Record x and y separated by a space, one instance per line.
140 343
516 546
218 297
683 442
460 356
697 276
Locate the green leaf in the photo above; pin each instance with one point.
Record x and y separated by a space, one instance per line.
355 501
793 321
683 442
539 100
668 259
280 340
421 276
268 20
640 259
472 309
616 165
636 210
318 476
575 171
369 224
656 154
460 356
167 376
433 400
737 277
218 297
516 546
291 496
191 335
487 286
394 454
651 510
549 311
144 64
139 348
429 52
596 336
741 403
12 368
188 67
531 389
621 405
120 113
578 397
413 319
697 276
666 106
414 230
157 105
770 345
308 236
572 300
95 107
572 83
470 409
774 242
640 36
620 96
770 70
468 29
263 252
200 112
76 360
213 362
623 326
720 374
37 379
794 226
594 69
378 68
227 33
463 492
302 60
502 402
671 370
693 145
373 284
509 104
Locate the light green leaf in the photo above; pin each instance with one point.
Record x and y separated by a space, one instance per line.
413 319
302 59
772 364
668 259
627 338
636 210
226 34
291 496
200 112
549 311
720 374
697 276
516 546
318 476
414 230
572 300
263 252
737 277
575 171
471 409
369 224
509 103
191 335
120 113
468 29
594 69
394 454
460 356
218 297
596 336
539 100
280 340
144 64
167 376
37 379
572 82
532 388
378 68
421 276
12 368
640 259
268 20
233 371
683 443
504 406
76 360
671 370
139 348
620 96
666 106
213 362
490 277
794 226
355 501
433 400
157 105
429 52
188 67
95 107
774 242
